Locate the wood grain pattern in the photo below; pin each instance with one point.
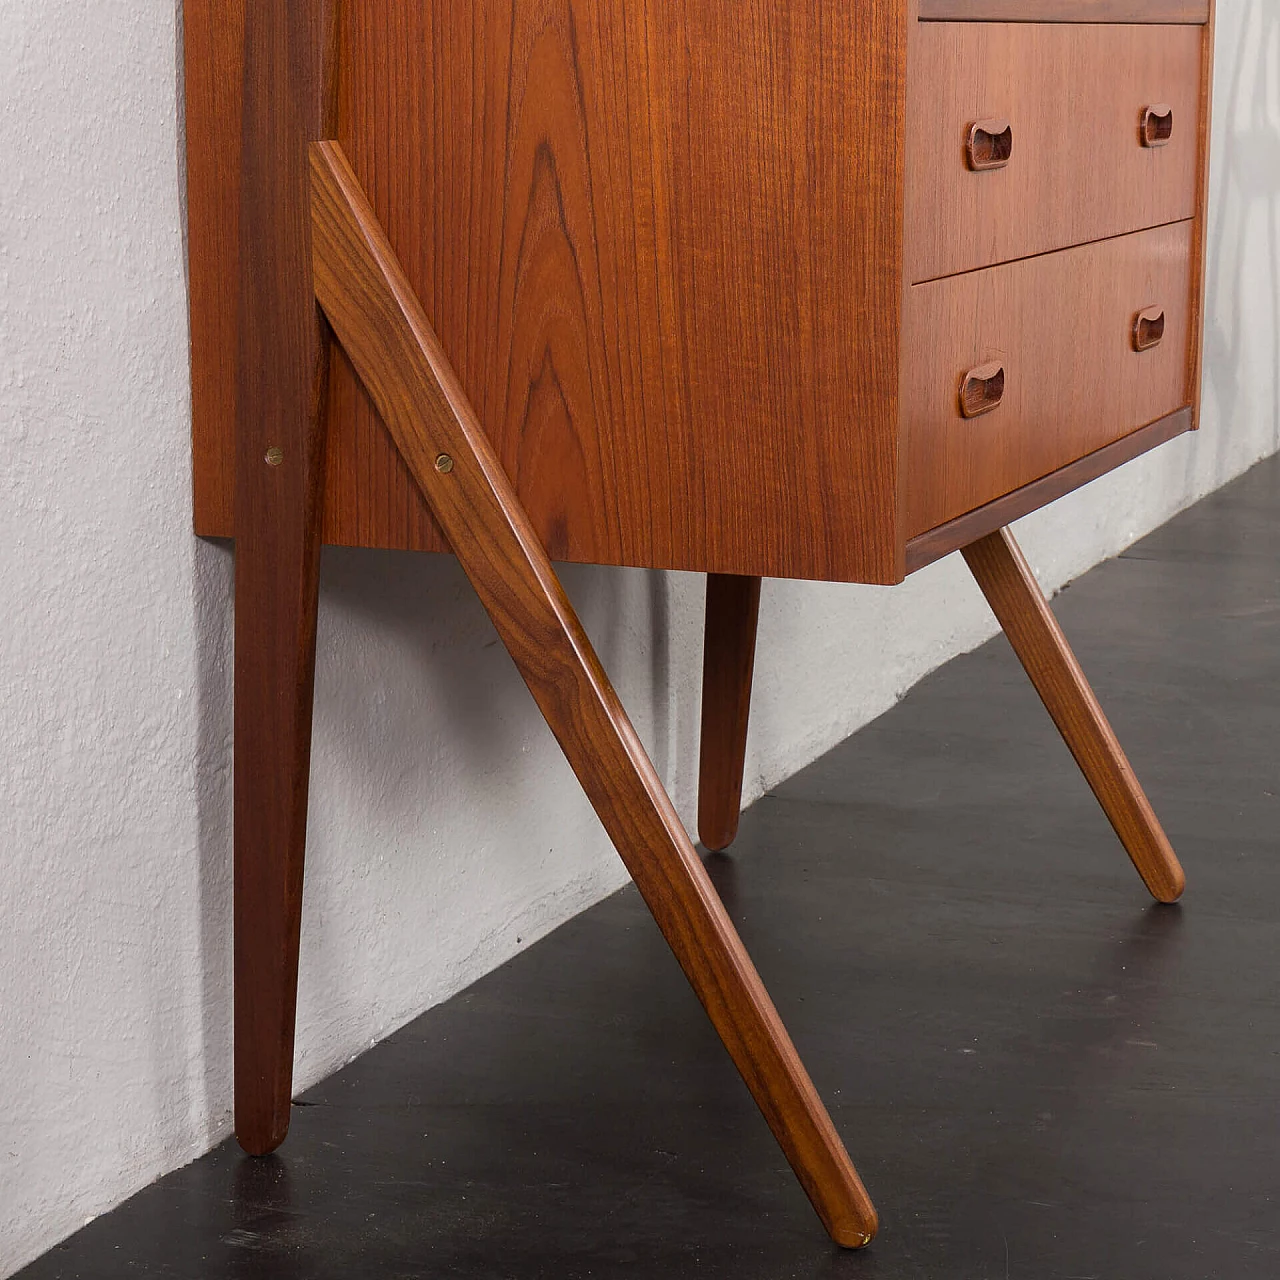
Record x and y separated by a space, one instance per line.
213 53
282 364
619 221
662 264
381 324
1061 325
1015 598
925 548
728 661
1192 11
1073 96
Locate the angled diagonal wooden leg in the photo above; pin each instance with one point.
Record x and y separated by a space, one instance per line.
380 323
282 363
728 659
1017 601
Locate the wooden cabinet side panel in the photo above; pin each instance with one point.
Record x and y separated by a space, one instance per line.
213 53
662 261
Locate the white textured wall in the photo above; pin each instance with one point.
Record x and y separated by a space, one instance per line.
446 832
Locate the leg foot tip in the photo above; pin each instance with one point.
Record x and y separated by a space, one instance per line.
1171 889
252 1148
855 1235
257 1141
856 1225
716 838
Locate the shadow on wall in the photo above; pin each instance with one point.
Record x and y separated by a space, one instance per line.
211 599
437 791
418 613
1242 320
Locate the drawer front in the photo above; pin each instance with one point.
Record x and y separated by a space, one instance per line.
1068 352
1078 166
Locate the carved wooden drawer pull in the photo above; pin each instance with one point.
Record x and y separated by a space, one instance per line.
1148 328
990 144
982 389
1157 125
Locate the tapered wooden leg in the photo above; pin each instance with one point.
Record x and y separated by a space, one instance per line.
1017 601
728 659
274 667
386 335
282 364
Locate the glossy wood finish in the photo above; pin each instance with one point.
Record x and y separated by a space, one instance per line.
1061 325
728 662
213 55
925 548
1074 96
618 217
282 360
385 332
1193 11
1015 598
617 220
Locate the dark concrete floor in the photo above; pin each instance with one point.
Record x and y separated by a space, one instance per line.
1039 1073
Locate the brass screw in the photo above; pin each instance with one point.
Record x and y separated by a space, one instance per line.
444 464
275 456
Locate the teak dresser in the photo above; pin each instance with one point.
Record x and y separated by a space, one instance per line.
783 288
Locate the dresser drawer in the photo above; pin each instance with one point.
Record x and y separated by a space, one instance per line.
1075 97
1053 345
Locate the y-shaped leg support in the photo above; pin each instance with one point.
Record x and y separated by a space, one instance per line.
381 325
